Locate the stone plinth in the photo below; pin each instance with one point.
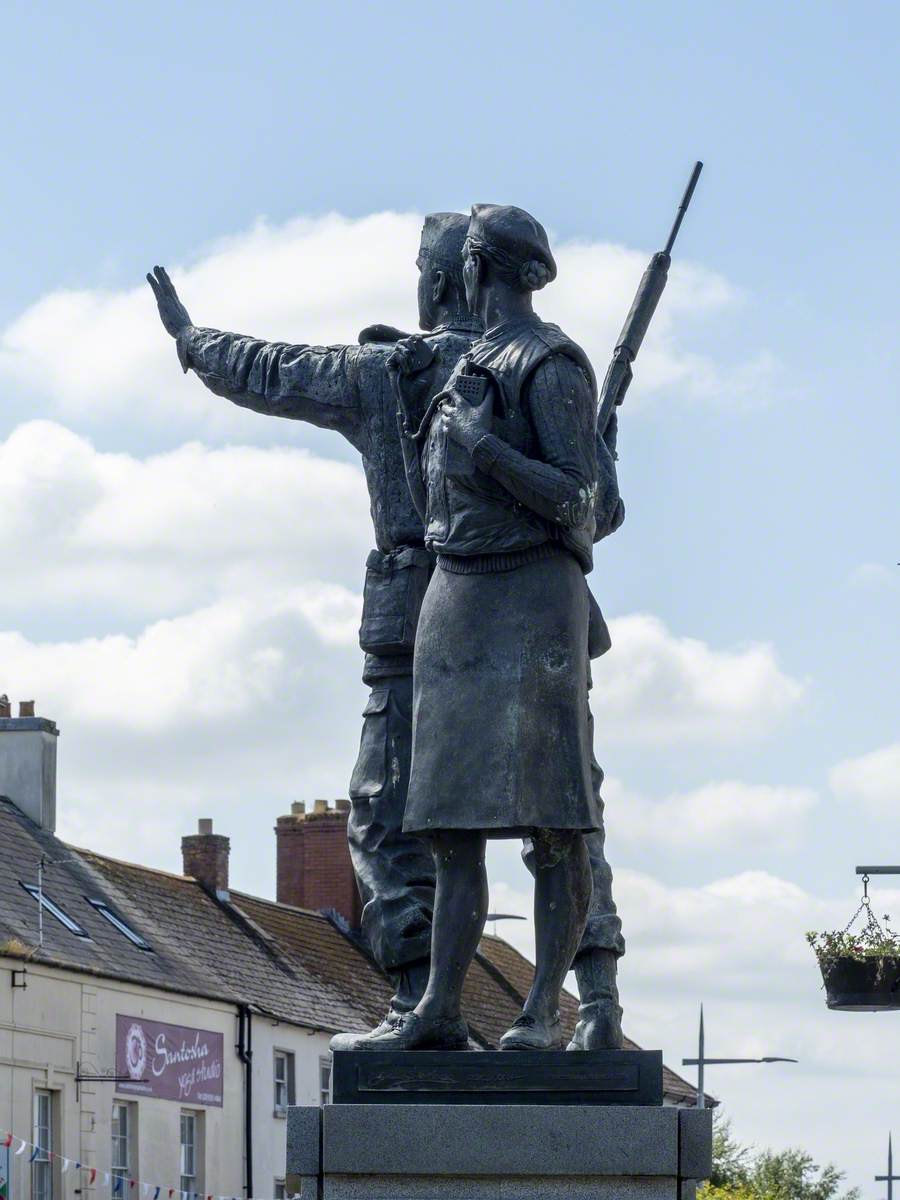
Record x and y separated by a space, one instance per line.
496 1152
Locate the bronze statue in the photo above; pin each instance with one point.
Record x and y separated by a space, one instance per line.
507 470
352 389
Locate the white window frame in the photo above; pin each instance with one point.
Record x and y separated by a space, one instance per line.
283 1075
105 911
194 1178
324 1080
42 1181
48 906
126 1170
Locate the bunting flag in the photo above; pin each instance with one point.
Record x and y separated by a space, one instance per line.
116 1183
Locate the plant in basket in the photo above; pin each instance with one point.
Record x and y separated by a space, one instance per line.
860 968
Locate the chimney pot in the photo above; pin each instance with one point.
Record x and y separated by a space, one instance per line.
204 857
342 805
26 708
5 706
298 808
320 806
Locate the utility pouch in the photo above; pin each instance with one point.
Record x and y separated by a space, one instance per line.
393 595
599 640
473 388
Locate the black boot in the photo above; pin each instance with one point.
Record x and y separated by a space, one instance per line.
600 1014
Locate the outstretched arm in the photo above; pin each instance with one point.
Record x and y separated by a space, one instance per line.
317 384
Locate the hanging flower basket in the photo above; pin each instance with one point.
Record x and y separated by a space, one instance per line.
861 971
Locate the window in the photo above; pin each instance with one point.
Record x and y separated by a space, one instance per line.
324 1081
284 1081
103 908
48 906
42 1167
121 1159
279 1192
191 1154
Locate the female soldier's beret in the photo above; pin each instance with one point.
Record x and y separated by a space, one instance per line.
515 242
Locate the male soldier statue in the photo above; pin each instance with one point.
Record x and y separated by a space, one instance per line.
351 389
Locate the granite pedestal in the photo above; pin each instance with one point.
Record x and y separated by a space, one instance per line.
463 1149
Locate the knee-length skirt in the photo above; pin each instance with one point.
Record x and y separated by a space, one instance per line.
501 728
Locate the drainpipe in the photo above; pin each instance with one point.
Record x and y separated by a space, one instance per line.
245 1054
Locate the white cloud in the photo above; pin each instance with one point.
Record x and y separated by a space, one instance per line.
870 780
95 353
723 815
174 531
656 687
193 669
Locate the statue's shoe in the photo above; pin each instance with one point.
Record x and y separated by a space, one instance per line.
353 1041
599 1027
412 1032
528 1033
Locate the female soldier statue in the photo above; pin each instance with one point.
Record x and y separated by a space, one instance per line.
505 469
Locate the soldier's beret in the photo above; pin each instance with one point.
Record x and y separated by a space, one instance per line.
515 241
443 236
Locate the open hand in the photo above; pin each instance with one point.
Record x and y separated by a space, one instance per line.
172 312
466 423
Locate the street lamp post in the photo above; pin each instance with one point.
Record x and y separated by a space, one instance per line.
701 1062
890 1179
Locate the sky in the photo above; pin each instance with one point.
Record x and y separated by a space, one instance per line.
180 580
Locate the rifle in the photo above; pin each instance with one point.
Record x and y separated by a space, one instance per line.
651 288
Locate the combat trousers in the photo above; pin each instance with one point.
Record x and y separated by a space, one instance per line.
394 870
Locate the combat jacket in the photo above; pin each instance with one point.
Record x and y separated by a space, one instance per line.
347 389
533 479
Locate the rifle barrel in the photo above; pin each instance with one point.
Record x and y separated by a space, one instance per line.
683 206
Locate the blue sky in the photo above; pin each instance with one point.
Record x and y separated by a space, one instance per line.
758 460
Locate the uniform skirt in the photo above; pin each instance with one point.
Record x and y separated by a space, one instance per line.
501 729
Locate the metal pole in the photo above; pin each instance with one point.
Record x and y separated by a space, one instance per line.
41 902
701 1098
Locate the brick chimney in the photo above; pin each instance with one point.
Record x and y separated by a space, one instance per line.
313 860
28 762
204 856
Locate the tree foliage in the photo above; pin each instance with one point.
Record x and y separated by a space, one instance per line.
740 1173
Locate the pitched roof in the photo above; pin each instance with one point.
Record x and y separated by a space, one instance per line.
302 967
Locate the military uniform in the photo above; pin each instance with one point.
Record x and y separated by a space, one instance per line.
349 389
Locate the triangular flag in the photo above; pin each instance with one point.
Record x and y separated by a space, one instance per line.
131 1183
106 1178
21 1149
7 1141
65 1165
35 1152
156 1194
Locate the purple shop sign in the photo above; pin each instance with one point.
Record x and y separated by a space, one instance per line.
169 1062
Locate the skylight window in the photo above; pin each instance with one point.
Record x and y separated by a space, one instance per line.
135 938
54 909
